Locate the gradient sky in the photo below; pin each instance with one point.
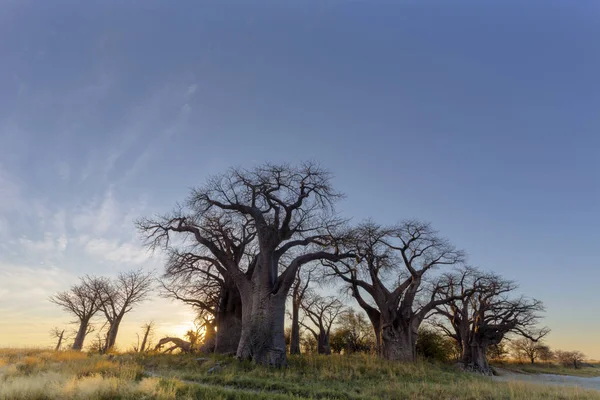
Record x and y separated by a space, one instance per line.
481 117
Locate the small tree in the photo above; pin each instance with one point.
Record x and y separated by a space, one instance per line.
59 335
147 333
118 297
309 343
354 334
322 312
82 301
497 352
547 355
570 358
528 349
432 344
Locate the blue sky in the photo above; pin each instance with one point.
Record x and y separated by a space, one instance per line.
481 117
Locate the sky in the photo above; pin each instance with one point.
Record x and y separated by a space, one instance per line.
481 117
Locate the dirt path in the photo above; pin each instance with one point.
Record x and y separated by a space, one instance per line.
549 379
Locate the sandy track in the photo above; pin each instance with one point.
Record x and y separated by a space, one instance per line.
549 379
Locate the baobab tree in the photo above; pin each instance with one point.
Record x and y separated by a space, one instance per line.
323 313
193 280
401 255
83 302
289 211
482 312
117 297
199 266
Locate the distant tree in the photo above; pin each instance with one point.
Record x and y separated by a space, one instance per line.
309 343
59 335
402 254
570 358
546 354
288 337
485 313
497 352
526 348
147 333
118 297
322 312
353 334
82 301
298 291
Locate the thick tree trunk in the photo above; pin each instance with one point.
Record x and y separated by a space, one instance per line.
111 336
398 343
323 346
229 329
263 338
377 330
295 339
80 337
475 358
228 320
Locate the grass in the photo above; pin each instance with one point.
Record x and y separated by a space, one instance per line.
38 374
588 371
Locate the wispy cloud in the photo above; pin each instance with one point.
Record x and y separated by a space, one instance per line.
118 252
49 244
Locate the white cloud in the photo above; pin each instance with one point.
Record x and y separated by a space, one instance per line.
46 245
97 218
114 251
29 286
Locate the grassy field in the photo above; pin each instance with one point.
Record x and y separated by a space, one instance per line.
588 371
39 374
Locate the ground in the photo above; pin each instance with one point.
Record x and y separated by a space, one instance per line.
39 374
587 371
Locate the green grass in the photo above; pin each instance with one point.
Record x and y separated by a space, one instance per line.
36 374
550 368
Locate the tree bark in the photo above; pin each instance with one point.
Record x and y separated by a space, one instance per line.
323 346
477 360
111 336
474 356
263 338
80 337
229 320
398 343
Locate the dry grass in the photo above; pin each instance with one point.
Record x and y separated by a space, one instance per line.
38 374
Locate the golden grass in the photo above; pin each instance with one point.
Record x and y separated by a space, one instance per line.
36 374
